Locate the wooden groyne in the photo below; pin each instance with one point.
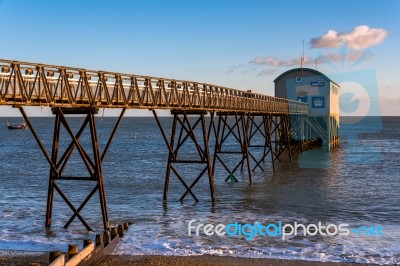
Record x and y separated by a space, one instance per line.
93 252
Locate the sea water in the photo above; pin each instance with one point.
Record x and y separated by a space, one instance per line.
357 184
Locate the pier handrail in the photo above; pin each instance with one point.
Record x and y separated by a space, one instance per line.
34 84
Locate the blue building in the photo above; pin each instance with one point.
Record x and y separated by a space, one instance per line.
322 95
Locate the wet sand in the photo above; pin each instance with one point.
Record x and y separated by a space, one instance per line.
209 260
18 258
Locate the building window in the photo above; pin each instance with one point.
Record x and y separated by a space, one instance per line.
299 79
318 102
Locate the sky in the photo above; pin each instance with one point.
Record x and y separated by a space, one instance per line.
236 43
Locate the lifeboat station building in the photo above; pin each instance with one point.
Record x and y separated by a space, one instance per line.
322 96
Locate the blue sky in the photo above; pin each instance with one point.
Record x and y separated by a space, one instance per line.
238 44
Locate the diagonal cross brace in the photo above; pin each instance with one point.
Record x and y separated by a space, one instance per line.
57 167
187 131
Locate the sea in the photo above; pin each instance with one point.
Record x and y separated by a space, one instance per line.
356 186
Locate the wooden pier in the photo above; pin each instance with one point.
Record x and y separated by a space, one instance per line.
234 113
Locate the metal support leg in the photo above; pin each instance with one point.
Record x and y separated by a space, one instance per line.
245 125
57 166
282 136
261 128
187 129
238 132
50 192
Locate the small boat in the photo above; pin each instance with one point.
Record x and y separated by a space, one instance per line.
21 125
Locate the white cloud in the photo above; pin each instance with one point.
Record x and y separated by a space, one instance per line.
360 38
357 41
325 57
267 72
274 61
349 56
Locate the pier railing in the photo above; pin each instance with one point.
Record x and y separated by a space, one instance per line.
69 90
31 84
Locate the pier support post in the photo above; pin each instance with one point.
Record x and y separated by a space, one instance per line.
296 131
238 133
57 165
283 138
260 130
186 129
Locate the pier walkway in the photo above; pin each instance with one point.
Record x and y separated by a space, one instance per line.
239 115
